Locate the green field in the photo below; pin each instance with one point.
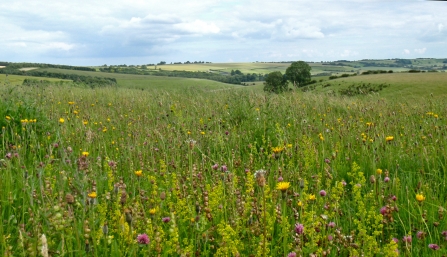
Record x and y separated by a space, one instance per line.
159 166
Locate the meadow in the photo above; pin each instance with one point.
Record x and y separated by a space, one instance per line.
181 167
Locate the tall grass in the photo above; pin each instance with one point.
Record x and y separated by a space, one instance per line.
199 173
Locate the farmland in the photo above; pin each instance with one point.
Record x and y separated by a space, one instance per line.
167 166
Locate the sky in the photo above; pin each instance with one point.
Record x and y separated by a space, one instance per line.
98 32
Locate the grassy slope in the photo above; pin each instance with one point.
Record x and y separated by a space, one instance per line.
143 81
401 84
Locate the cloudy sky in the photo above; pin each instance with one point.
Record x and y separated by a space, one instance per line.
93 32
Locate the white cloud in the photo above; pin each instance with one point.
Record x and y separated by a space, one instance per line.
218 30
420 50
198 27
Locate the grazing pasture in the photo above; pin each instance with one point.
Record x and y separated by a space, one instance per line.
198 168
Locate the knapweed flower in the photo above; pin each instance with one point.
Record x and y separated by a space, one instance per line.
92 194
433 246
299 228
283 186
331 224
323 193
138 173
61 120
143 239
389 138
420 197
379 171
224 168
386 179
165 219
215 166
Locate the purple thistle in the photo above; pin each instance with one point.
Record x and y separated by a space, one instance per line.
420 235
143 239
407 239
433 246
323 193
383 210
291 254
299 228
166 219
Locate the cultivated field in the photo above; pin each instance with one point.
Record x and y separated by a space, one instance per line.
180 167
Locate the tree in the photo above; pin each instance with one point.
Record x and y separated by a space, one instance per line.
298 73
275 82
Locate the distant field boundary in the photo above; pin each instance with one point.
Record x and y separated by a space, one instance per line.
28 69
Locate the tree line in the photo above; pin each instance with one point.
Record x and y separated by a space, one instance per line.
11 65
80 79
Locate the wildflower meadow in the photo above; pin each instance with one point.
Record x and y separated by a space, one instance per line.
196 172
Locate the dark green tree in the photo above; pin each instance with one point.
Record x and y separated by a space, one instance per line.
275 82
298 73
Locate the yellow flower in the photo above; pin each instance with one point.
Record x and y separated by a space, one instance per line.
152 211
420 197
61 120
92 195
71 103
389 138
312 197
139 173
277 149
300 203
8 117
85 154
85 122
379 171
283 186
202 132
321 137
